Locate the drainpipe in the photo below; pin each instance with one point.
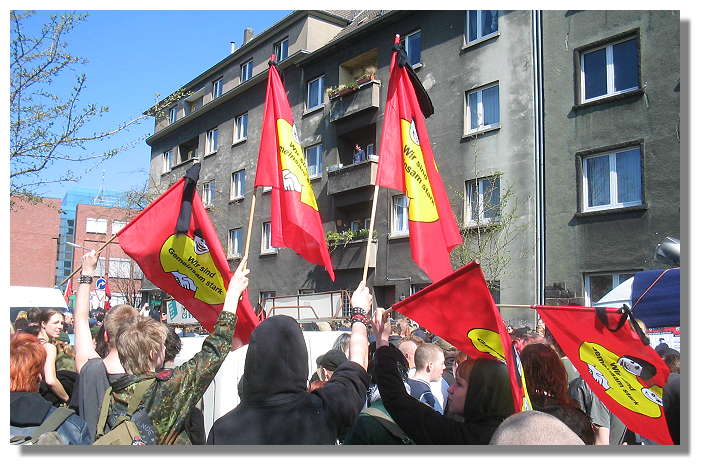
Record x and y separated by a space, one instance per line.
539 157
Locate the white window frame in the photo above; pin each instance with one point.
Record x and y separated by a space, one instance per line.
278 49
319 163
172 115
212 141
614 188
100 267
217 89
240 130
615 282
208 193
609 60
480 110
246 70
235 251
393 232
167 161
238 180
406 47
266 247
116 226
479 186
321 93
119 268
478 19
95 225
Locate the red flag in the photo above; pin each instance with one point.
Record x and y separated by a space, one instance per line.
68 292
108 294
407 164
192 266
296 222
626 374
459 308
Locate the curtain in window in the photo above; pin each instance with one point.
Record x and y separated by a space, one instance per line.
595 73
472 201
629 176
489 22
472 25
400 214
597 172
490 105
625 57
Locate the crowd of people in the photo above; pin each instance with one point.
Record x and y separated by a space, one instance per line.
383 382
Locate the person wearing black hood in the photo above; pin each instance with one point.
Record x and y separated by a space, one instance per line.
275 406
481 394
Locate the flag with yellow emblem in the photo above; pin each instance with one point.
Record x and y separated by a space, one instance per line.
296 222
406 164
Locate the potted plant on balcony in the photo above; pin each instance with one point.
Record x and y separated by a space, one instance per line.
365 77
348 88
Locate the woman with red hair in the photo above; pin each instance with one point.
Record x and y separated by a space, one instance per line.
28 409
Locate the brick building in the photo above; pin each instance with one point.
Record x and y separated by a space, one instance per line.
34 232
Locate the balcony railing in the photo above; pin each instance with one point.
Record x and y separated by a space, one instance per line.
355 176
364 98
352 255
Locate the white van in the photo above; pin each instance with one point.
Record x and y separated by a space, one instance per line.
24 298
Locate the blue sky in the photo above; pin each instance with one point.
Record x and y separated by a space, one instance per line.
132 56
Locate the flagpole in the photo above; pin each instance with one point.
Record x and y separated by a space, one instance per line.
369 235
249 228
97 252
514 306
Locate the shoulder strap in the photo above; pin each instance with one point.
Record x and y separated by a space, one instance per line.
385 420
140 389
52 423
132 405
103 417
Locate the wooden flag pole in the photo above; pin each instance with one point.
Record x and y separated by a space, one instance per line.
369 235
97 252
514 306
249 228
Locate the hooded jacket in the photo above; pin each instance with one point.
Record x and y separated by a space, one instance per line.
487 403
275 407
29 409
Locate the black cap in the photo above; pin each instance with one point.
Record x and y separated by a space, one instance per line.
331 360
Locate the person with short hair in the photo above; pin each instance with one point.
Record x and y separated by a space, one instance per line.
28 409
534 428
430 363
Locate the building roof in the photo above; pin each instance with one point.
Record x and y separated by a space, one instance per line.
358 19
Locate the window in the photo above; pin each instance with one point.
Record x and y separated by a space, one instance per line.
137 272
217 88
609 70
235 242
315 93
117 226
172 115
167 161
264 295
482 108
97 225
612 180
412 46
99 268
400 215
119 268
482 201
597 285
212 141
237 185
370 150
480 24
246 71
281 49
240 131
314 157
208 193
494 287
267 238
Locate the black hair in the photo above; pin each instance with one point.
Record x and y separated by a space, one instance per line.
172 345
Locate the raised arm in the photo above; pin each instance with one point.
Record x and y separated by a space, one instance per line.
81 328
361 299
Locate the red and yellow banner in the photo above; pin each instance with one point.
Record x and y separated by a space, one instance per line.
407 164
282 165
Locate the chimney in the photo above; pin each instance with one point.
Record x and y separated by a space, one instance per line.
247 37
233 46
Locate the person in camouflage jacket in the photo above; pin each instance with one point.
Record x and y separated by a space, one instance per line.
166 404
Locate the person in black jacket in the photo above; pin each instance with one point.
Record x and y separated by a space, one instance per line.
275 406
481 394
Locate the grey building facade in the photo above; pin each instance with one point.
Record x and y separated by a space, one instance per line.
483 71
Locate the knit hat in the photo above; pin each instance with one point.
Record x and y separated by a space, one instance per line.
331 360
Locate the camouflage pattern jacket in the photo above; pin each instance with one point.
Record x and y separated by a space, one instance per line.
168 401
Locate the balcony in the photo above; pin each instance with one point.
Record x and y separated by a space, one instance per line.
349 177
362 99
352 255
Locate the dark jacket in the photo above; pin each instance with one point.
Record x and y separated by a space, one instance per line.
275 407
488 402
28 410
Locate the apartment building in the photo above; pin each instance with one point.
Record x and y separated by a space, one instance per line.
500 136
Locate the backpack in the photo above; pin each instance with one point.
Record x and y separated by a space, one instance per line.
386 421
125 432
45 433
